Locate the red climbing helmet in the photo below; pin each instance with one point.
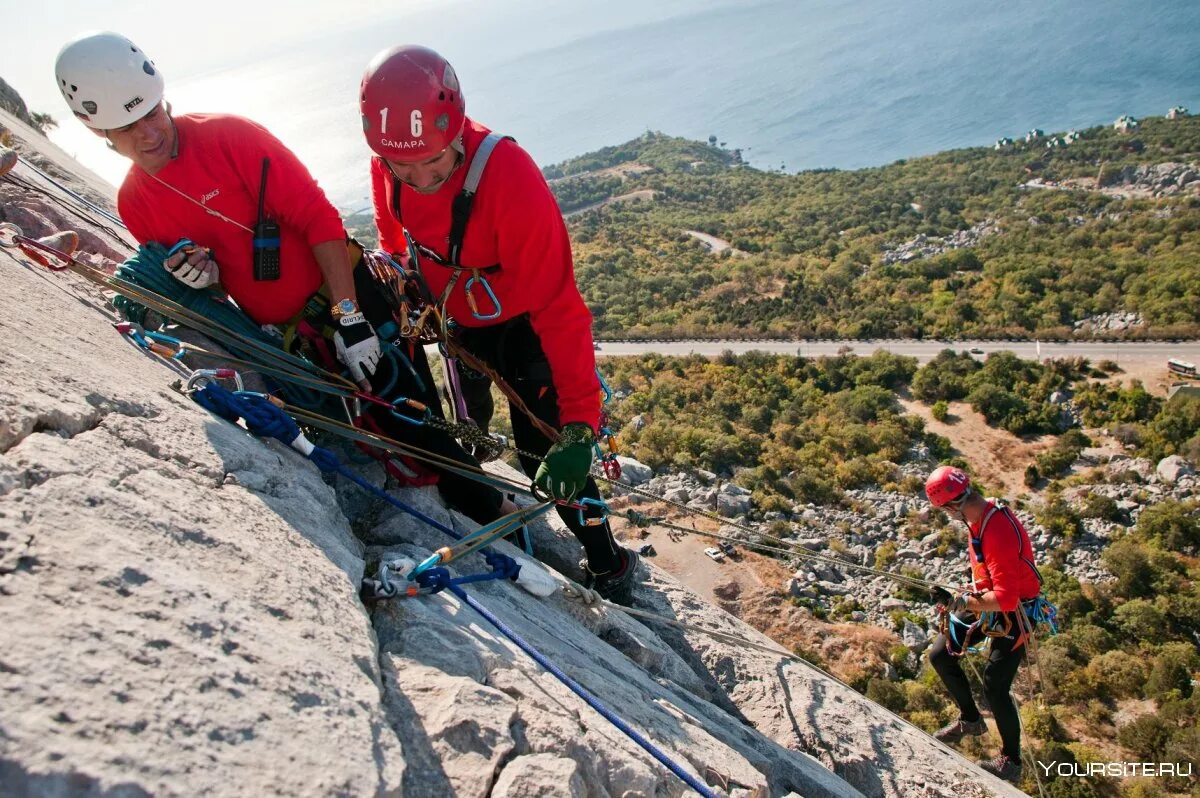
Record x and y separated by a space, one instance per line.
946 484
412 107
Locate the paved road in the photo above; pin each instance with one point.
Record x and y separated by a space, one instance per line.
924 351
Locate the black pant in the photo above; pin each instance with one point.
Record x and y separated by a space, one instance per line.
1004 657
513 349
406 373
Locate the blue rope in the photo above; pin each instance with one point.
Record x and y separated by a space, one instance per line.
583 693
264 419
145 270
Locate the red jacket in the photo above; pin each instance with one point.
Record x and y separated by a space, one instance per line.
1002 558
516 223
220 165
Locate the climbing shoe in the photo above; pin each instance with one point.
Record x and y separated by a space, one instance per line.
1002 767
615 586
953 732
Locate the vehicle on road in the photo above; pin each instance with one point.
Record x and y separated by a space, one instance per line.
728 548
976 350
714 553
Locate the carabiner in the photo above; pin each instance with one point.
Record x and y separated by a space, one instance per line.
608 394
211 375
611 466
599 520
479 277
424 410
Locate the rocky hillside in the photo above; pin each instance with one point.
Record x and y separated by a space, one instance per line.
180 614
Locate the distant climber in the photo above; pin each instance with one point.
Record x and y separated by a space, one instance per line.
1005 577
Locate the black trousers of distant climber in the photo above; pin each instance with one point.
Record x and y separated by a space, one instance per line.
1004 657
409 376
514 350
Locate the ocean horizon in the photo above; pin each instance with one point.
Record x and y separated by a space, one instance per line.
793 85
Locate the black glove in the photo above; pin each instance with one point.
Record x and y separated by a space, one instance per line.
940 595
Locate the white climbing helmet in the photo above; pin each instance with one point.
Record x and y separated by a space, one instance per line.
107 81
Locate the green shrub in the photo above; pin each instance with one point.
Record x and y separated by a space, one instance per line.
1171 673
1032 476
1173 525
1097 505
885 555
1140 621
1119 674
1040 722
1146 737
886 694
1129 562
940 410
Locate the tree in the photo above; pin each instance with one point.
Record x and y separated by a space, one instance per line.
43 122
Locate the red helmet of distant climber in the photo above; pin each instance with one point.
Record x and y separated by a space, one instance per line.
412 107
946 484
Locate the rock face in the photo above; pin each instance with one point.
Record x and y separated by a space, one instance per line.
179 616
11 101
923 246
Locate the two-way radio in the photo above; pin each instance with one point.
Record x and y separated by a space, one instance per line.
266 236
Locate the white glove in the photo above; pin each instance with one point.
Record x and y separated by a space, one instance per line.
357 345
194 267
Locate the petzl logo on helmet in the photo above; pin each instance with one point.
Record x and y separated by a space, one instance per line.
136 101
442 122
89 106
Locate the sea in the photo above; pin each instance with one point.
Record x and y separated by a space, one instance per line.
793 85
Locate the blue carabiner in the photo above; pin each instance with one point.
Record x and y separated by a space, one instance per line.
584 503
481 278
608 394
163 338
424 410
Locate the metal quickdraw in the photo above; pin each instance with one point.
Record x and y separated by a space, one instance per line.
153 341
201 377
421 408
11 237
584 519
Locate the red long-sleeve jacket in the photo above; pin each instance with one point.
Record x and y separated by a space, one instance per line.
1002 558
219 165
515 223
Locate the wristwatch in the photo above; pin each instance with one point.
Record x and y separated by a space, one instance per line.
343 308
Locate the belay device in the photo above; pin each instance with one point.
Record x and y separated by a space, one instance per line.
266 236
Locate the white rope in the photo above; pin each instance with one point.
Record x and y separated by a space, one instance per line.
194 201
591 598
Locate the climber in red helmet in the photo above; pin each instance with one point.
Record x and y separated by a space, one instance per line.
488 237
1005 578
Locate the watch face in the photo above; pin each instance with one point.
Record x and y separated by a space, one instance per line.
346 307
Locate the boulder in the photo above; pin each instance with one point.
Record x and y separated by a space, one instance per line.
633 472
1171 469
731 506
915 637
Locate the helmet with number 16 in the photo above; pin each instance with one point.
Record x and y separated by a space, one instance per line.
412 106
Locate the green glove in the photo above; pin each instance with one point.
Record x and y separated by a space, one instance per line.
564 472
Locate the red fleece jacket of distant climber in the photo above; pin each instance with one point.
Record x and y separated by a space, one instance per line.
1002 558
